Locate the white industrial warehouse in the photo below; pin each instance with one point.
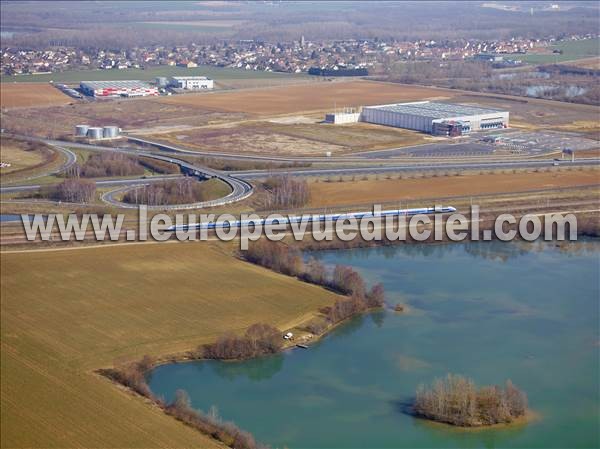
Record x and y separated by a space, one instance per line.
428 116
192 82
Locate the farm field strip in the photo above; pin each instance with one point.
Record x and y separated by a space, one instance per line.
310 97
371 190
26 95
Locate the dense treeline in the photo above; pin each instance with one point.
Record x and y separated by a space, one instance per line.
104 27
259 339
210 424
480 77
285 191
426 72
588 226
233 164
288 260
133 376
280 258
457 401
158 166
340 72
106 164
179 191
71 190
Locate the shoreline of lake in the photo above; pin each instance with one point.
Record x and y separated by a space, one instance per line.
282 374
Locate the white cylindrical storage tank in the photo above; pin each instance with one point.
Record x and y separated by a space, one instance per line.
95 132
81 130
110 132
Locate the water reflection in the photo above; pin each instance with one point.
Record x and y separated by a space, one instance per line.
533 320
258 370
493 250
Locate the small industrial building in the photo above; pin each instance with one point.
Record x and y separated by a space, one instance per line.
347 115
192 82
126 88
436 118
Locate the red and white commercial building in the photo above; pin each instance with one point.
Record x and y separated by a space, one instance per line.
127 88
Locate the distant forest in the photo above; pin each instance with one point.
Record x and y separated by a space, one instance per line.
126 24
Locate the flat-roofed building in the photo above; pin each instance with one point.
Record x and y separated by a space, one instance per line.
192 82
125 88
435 117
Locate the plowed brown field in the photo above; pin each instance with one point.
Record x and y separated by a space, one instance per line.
30 95
371 191
309 97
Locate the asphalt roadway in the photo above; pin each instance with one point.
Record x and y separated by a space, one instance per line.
241 188
403 168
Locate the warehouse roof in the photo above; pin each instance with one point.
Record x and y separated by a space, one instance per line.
125 84
434 109
190 78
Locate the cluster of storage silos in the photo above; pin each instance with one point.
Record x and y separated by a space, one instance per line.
81 130
110 132
97 132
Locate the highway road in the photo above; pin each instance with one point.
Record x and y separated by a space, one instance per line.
400 168
240 189
104 183
421 151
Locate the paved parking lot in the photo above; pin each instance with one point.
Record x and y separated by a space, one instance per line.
498 142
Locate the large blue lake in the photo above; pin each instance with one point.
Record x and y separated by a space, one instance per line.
490 311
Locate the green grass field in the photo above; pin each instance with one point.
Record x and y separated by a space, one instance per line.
216 73
571 50
66 313
27 165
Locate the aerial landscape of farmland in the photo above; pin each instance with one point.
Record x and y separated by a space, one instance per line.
299 224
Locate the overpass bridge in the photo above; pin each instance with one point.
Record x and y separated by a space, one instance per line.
240 189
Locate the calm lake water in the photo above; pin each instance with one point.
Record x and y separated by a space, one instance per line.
10 217
490 311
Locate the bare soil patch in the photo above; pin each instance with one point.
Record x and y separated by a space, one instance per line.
587 63
294 138
309 97
19 95
533 113
127 114
249 138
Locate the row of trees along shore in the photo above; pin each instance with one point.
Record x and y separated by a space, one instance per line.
288 260
133 376
458 401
